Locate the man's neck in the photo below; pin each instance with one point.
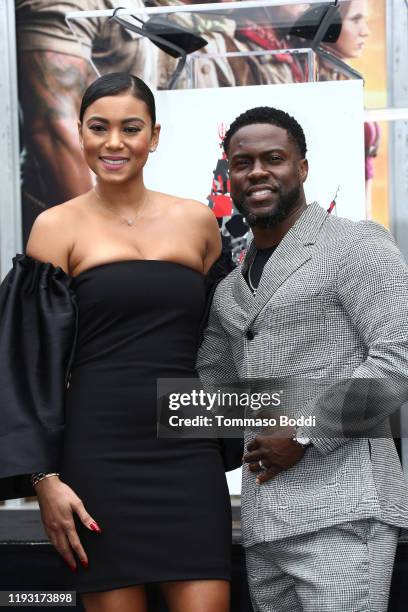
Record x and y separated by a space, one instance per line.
267 237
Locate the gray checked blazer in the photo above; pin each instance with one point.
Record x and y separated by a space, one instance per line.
332 302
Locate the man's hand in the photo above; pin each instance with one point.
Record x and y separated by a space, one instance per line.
276 450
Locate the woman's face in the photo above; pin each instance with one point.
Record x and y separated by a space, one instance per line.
354 31
117 136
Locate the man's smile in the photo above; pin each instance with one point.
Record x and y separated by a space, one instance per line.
259 193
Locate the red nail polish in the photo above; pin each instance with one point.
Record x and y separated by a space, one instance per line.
95 527
85 563
73 568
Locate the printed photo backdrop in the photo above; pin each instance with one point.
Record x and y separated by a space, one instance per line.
372 64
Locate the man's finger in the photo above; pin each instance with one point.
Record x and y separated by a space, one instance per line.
267 474
255 467
252 457
86 519
253 444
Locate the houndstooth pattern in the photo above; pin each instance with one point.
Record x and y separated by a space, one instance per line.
308 573
332 303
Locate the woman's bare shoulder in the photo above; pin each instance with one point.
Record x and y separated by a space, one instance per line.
62 213
185 206
52 235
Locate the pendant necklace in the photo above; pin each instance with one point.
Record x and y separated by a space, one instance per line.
128 220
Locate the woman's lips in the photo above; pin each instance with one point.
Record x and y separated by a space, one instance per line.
113 164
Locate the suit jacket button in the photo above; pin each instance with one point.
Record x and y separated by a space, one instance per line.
250 334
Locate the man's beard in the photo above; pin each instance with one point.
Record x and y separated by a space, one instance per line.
285 205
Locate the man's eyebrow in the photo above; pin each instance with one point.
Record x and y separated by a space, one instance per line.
276 149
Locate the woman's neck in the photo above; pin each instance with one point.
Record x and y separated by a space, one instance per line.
125 195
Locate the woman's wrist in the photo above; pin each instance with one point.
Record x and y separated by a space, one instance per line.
39 476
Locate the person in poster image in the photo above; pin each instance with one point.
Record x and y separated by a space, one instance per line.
139 289
350 45
54 70
317 297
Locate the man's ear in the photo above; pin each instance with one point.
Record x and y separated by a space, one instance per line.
155 137
304 169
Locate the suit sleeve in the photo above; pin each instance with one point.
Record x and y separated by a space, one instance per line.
372 288
215 363
38 323
216 367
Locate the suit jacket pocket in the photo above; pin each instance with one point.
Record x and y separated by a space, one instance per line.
298 338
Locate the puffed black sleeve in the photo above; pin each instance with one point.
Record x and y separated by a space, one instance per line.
38 326
219 270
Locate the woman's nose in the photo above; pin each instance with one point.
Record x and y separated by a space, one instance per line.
114 140
365 30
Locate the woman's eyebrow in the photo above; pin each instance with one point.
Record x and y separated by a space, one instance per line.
127 120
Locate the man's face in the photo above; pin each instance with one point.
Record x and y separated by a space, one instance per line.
267 174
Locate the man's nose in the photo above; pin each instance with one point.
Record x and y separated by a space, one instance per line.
257 169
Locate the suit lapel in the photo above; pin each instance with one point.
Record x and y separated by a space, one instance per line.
293 251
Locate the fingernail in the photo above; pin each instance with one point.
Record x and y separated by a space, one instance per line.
73 568
85 563
95 527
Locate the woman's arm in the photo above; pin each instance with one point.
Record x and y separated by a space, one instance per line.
51 240
213 238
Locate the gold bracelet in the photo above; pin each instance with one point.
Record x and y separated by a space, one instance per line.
36 478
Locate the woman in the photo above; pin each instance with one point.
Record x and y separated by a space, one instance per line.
354 30
350 45
131 508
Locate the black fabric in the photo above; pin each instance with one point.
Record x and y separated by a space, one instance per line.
38 317
232 449
136 321
218 271
38 330
254 271
162 503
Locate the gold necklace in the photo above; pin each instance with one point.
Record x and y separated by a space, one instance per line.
128 220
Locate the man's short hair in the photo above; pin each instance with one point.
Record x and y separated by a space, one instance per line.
273 116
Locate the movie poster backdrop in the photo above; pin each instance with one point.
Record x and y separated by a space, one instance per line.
55 68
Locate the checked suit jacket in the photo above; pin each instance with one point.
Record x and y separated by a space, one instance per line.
332 304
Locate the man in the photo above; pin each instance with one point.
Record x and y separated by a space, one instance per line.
317 297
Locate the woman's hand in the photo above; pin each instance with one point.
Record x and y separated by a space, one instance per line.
57 504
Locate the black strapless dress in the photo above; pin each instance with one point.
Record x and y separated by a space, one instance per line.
163 505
